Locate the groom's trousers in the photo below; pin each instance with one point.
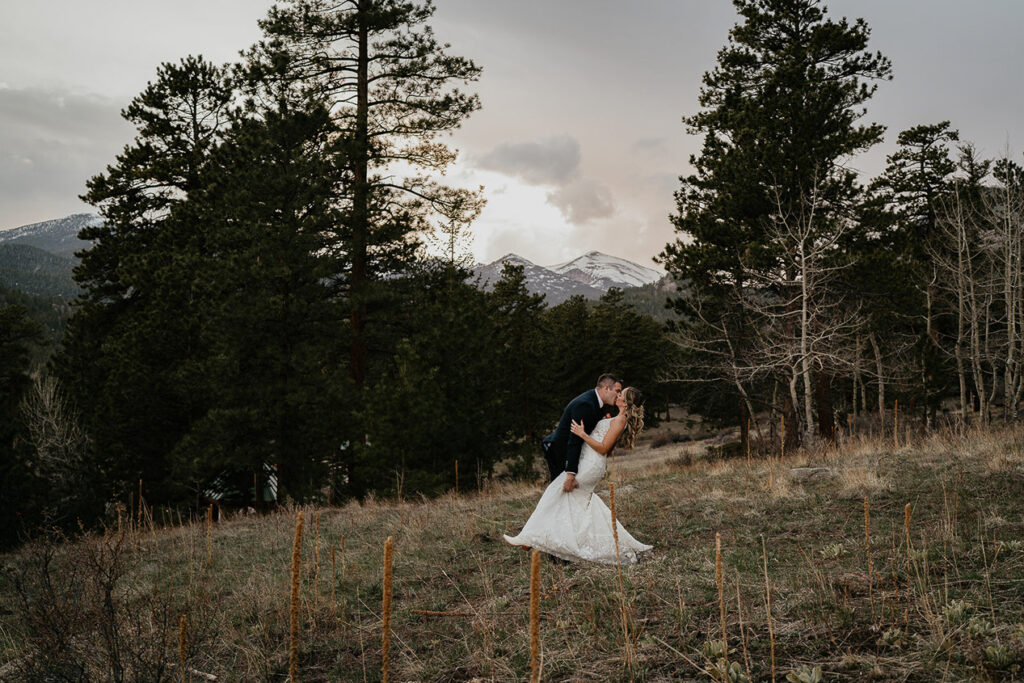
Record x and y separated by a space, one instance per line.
554 469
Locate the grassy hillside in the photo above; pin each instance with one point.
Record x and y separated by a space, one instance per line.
947 606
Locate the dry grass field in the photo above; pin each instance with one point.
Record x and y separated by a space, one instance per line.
880 563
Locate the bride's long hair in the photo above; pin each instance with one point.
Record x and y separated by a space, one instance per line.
634 416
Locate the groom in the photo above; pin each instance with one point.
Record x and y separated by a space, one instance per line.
562 447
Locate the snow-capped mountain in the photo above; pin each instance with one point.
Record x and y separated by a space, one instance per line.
58 236
590 276
603 271
539 280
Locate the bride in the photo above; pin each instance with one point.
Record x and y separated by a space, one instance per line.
578 525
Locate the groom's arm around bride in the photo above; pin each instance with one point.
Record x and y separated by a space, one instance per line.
562 447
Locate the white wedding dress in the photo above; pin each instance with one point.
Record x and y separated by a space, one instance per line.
578 525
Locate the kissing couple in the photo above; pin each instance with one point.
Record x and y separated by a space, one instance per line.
570 522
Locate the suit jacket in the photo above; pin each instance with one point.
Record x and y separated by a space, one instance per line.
562 446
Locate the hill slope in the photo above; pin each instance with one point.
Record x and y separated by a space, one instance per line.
58 236
461 595
35 271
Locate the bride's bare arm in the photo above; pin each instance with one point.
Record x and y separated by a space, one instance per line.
610 437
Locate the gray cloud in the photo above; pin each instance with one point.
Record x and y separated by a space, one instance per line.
554 161
51 142
583 200
650 144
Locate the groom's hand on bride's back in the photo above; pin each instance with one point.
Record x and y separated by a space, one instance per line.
570 482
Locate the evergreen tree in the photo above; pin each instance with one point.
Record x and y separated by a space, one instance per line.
390 86
521 339
910 195
443 401
635 347
18 334
779 116
267 303
915 182
135 324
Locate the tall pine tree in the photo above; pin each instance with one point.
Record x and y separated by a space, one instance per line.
779 116
392 90
135 324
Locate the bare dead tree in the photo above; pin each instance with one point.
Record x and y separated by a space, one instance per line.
807 326
979 255
57 438
706 335
1005 209
951 254
799 324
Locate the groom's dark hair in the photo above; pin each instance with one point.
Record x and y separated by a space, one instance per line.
606 380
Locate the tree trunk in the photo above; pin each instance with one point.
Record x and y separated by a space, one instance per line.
993 366
773 417
973 308
1011 292
880 372
805 353
863 395
857 381
792 414
360 205
958 350
745 410
823 405
744 426
962 378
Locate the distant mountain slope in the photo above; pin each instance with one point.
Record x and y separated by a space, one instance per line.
604 272
51 312
30 269
589 276
651 299
58 236
39 258
539 280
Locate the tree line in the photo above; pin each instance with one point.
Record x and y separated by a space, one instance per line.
813 296
259 293
259 297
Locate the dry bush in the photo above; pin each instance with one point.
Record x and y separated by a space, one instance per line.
779 486
58 439
97 609
858 481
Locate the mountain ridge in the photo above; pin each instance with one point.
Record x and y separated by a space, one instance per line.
58 236
590 275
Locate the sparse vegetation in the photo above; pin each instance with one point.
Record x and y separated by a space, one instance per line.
110 605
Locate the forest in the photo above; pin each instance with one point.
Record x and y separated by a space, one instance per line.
280 283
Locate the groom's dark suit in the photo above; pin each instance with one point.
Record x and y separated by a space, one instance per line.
562 447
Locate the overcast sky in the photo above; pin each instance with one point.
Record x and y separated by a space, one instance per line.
579 143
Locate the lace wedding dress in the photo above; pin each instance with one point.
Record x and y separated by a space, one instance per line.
578 525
